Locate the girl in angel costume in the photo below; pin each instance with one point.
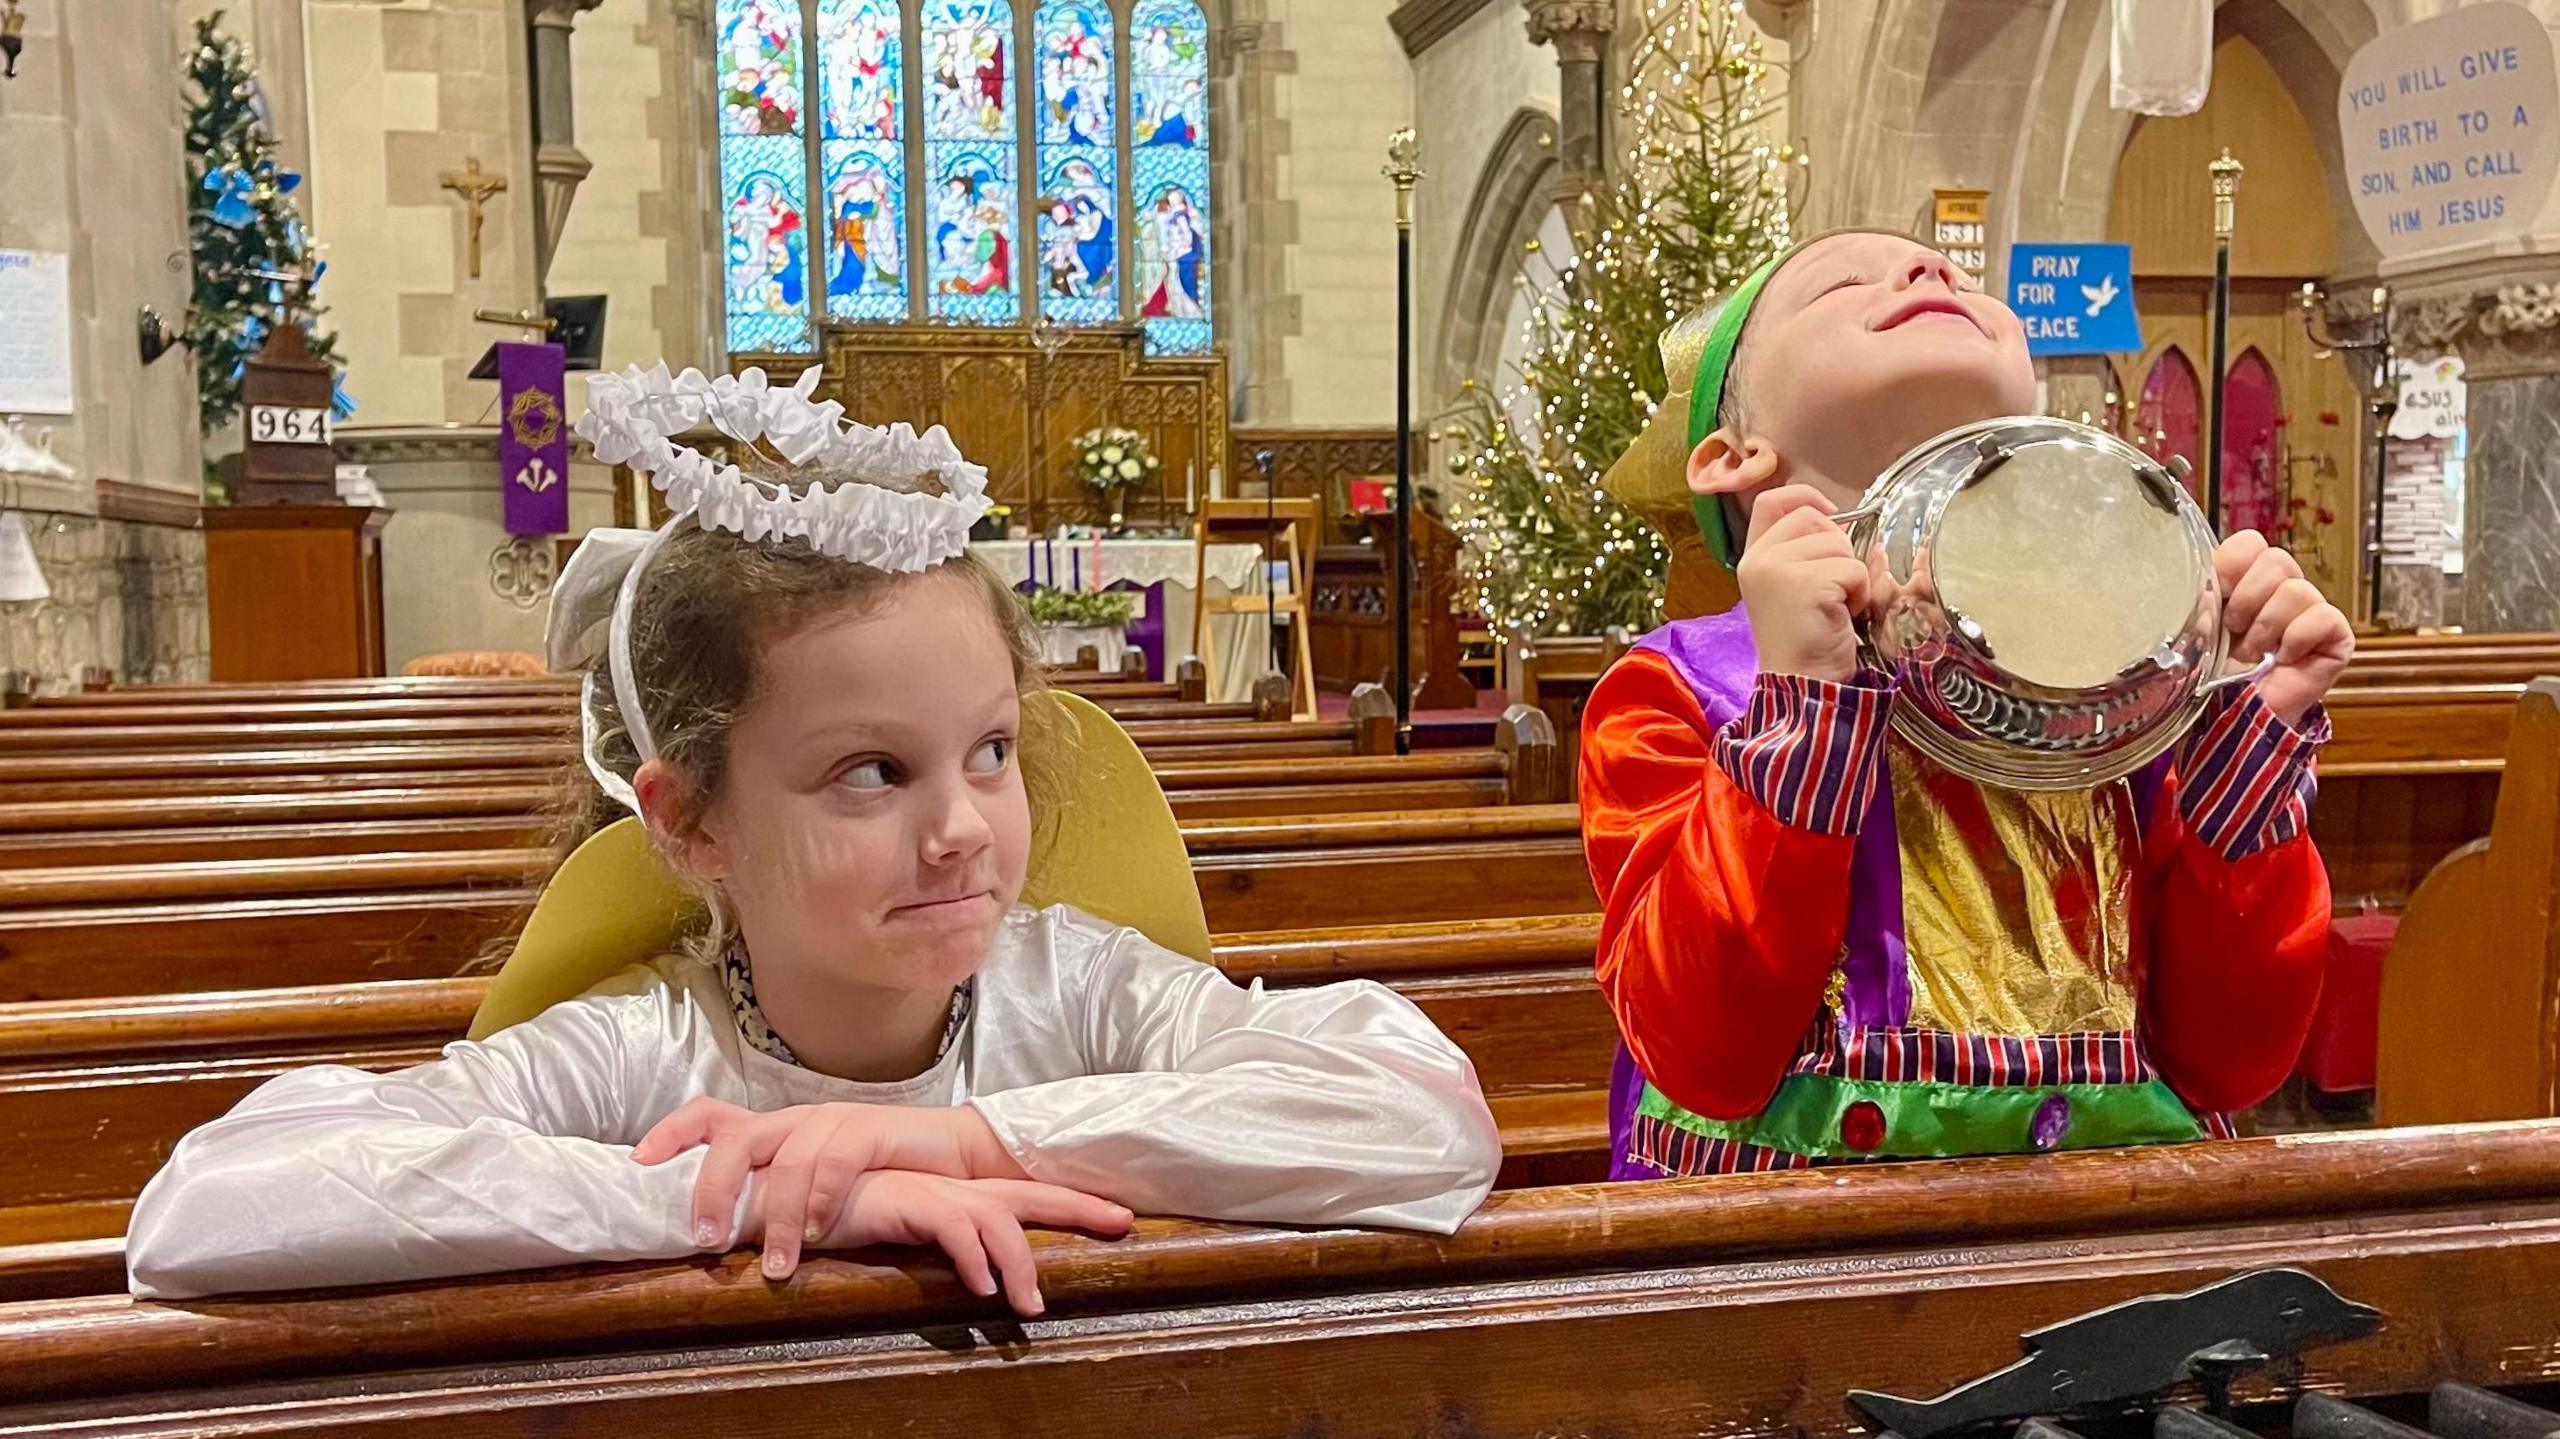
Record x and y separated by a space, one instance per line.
891 946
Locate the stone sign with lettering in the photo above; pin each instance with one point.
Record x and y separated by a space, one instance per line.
2451 129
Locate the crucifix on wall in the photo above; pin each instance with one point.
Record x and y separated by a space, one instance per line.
475 187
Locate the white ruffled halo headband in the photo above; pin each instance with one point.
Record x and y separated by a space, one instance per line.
897 501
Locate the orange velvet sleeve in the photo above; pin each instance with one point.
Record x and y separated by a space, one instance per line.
2237 905
1721 922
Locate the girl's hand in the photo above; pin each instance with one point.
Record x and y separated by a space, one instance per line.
977 1222
2269 608
807 1158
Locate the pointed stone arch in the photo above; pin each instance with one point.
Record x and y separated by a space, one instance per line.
1513 196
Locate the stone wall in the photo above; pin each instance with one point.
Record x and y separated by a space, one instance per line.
1480 92
91 173
447 519
127 598
638 232
88 172
400 96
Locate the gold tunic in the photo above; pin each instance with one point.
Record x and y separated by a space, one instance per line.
2017 909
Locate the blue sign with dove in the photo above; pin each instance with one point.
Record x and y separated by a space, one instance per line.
2075 299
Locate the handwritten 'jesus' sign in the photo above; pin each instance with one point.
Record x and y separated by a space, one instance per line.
2451 129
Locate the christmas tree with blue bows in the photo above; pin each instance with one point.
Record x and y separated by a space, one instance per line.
253 257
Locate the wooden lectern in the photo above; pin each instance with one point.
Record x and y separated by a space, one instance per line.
293 579
294 591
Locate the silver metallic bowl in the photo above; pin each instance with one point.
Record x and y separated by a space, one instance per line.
2044 598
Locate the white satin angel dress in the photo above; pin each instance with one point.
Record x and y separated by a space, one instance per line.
1101 1060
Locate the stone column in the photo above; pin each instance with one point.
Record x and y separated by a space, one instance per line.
1259 224
1579 30
2504 320
558 164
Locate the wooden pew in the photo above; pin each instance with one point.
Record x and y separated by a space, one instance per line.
2411 775
2470 1022
138 929
1740 1305
40 793
132 1076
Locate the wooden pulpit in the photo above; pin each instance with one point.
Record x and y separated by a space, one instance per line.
294 592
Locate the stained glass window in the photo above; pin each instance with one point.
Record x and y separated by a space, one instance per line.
862 148
764 176
970 160
912 199
1169 148
1078 206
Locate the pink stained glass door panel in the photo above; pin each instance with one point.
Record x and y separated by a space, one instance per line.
2169 420
2253 488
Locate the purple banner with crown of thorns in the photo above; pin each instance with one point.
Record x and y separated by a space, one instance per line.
533 440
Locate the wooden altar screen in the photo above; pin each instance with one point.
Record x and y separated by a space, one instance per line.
1018 412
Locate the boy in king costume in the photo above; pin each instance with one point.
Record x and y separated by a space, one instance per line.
1819 945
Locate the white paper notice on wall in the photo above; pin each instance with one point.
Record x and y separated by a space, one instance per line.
21 578
35 332
2451 129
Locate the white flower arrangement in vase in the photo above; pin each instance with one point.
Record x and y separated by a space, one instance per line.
1110 459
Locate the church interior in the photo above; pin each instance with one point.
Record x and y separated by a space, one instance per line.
1301 366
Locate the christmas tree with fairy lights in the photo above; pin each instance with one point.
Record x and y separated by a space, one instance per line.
1700 194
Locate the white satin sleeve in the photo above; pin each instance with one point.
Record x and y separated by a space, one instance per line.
510 1153
1336 1104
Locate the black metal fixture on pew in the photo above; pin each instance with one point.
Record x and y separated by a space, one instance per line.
2371 338
2137 1350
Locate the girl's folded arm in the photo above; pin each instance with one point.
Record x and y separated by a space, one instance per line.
1335 1104
509 1153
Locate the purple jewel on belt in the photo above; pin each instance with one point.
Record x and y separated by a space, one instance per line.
2052 1121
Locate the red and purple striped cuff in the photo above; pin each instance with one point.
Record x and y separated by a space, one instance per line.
2245 781
1809 750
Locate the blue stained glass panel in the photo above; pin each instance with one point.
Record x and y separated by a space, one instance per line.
1074 37
759 59
861 67
972 161
1079 199
862 114
1169 140
968 90
764 180
970 229
866 232
1173 250
1169 67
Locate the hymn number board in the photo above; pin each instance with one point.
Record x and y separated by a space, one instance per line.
1960 228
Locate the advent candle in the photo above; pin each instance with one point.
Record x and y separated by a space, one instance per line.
1049 551
1097 559
1031 563
1190 489
1075 568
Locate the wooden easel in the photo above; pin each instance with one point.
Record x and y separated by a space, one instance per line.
1286 530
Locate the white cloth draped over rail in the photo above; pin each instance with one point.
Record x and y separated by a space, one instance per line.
1102 1061
1243 641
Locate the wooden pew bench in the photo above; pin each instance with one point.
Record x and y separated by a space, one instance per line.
132 1076
1262 766
1745 1304
96 930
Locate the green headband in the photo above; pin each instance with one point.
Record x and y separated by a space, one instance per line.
1706 397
